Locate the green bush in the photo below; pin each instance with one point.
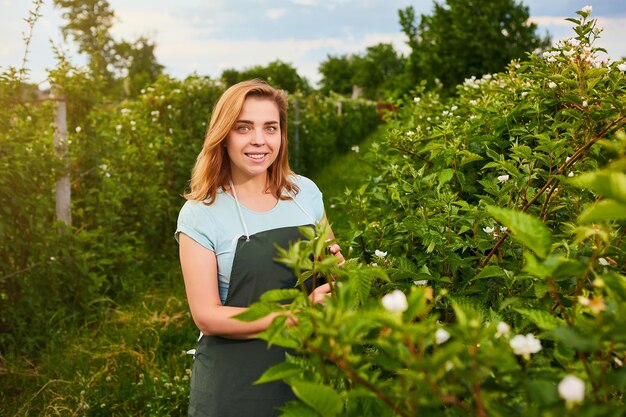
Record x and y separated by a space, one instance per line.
488 275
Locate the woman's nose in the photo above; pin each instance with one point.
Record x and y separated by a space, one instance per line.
258 136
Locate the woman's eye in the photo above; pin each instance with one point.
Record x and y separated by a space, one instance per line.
272 129
243 129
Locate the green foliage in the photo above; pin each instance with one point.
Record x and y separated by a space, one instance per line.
379 73
277 73
118 69
467 38
326 126
492 233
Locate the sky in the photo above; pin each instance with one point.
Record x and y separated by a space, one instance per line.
208 36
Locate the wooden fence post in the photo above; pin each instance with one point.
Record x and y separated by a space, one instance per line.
63 191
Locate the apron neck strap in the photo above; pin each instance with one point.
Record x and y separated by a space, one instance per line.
245 227
243 222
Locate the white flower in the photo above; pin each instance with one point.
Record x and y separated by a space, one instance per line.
603 262
78 129
441 336
571 174
489 230
52 258
574 42
420 282
395 302
503 178
585 103
118 128
552 84
445 113
571 388
503 329
503 229
133 123
569 52
355 148
622 67
525 345
454 108
410 133
374 264
380 254
583 300
524 93
416 99
587 9
473 102
125 111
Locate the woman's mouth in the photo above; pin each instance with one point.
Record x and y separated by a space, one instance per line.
256 156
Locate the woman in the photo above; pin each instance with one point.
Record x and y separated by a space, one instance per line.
244 201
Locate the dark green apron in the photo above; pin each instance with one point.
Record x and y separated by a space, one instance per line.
224 369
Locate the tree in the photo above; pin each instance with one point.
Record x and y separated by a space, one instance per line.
463 38
380 71
136 64
116 67
278 73
337 74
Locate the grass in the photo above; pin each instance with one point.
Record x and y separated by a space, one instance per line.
345 171
131 362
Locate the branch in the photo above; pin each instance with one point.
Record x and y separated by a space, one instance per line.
566 165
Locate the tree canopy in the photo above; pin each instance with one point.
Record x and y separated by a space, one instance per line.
279 74
464 38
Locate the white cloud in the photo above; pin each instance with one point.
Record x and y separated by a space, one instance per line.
275 14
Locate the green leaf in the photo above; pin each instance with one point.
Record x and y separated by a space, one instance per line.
280 371
321 398
490 271
604 210
257 311
572 338
608 184
528 229
541 391
616 283
280 295
297 409
541 319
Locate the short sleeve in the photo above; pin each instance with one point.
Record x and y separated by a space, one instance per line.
311 195
197 223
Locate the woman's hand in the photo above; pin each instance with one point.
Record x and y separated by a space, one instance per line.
319 294
335 249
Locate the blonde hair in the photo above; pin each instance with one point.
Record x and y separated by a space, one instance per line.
212 168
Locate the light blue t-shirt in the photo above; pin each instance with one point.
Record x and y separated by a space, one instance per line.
218 226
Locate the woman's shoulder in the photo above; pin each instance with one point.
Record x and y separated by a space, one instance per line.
203 208
305 184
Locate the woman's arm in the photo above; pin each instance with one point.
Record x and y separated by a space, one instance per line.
199 266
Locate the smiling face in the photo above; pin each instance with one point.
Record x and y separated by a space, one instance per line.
254 141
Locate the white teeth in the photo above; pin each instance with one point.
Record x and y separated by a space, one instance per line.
256 155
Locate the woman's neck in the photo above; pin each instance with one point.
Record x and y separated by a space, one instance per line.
253 193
